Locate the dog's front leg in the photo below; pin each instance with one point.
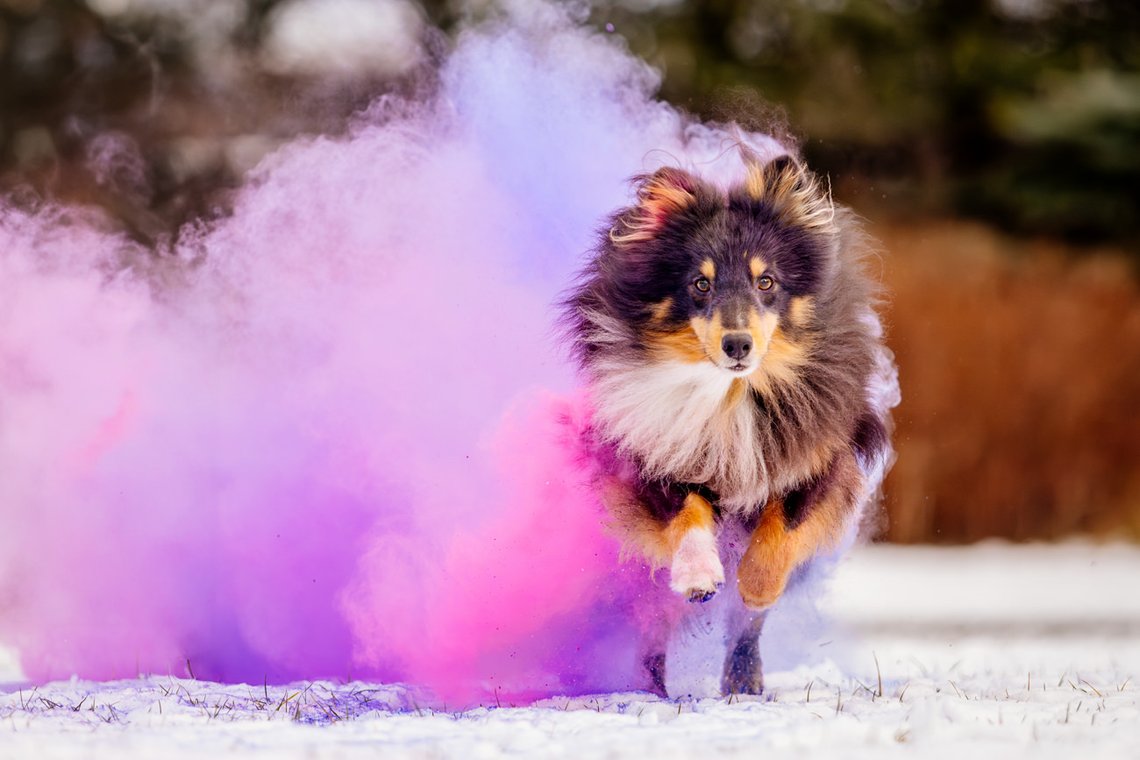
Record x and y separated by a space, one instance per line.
690 537
795 528
670 528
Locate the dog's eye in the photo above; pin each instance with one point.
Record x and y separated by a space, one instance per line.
765 282
702 284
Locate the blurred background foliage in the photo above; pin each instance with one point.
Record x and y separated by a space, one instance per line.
993 142
1025 113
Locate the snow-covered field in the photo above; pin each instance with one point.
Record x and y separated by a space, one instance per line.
991 650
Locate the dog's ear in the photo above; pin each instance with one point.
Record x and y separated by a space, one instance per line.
661 196
793 193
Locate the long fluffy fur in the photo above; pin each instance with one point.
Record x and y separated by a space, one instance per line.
737 374
688 421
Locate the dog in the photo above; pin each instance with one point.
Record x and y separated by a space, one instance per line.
735 365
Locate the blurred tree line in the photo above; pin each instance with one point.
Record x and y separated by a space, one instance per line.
152 109
1025 113
1022 112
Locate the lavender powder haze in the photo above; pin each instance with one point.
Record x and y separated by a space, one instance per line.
334 435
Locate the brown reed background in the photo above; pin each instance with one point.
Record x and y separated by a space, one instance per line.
992 144
1019 362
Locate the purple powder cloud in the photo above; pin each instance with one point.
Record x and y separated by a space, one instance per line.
344 445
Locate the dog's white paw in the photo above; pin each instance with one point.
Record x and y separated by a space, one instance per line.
697 573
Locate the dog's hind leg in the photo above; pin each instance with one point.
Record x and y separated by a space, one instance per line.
743 670
656 614
654 663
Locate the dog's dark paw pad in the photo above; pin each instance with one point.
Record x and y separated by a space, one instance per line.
701 596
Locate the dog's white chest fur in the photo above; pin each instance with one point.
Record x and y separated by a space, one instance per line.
685 422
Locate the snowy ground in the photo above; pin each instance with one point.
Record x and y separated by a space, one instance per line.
990 650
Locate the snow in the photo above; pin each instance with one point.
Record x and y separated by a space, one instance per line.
993 650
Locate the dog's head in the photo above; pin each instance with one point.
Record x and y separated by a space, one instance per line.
729 279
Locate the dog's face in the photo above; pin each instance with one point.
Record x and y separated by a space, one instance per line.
723 279
729 288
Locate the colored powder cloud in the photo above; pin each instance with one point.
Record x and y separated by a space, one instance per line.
333 434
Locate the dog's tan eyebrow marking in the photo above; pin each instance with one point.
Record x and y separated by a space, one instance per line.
708 269
757 266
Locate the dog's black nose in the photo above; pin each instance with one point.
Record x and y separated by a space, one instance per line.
736 345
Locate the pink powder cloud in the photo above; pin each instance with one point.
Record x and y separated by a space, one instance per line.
347 444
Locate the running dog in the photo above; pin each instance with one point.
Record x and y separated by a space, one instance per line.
735 365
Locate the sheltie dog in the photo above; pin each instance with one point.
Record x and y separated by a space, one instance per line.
739 383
